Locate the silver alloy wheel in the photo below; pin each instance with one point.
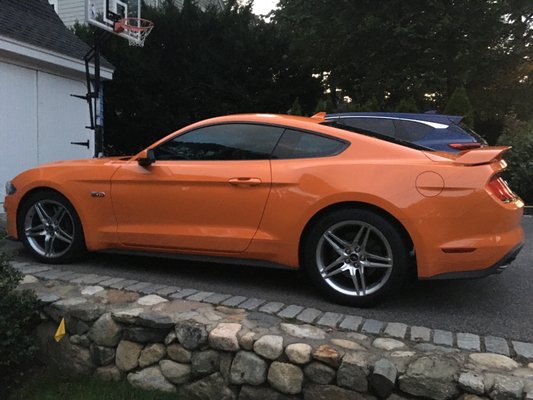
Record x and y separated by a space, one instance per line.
49 228
354 258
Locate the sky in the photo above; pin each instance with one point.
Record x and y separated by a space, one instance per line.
262 7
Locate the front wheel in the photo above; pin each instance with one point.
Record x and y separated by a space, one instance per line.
50 228
355 257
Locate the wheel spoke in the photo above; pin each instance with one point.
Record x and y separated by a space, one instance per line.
363 280
58 215
36 231
337 243
353 275
41 212
63 236
371 264
337 271
375 257
365 239
334 264
358 236
49 245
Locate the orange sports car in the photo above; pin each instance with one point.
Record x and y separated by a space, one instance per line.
354 209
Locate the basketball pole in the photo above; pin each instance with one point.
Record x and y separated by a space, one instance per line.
94 93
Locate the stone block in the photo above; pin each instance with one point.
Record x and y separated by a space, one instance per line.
432 377
127 355
287 378
248 368
269 346
498 345
191 334
105 331
420 334
523 350
175 372
298 353
372 326
290 311
151 354
151 379
272 307
395 330
251 304
211 387
308 315
441 337
468 341
178 353
205 362
330 319
319 373
224 337
353 371
383 378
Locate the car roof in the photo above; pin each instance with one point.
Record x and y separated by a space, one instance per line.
430 117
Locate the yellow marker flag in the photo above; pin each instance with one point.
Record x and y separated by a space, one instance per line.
60 331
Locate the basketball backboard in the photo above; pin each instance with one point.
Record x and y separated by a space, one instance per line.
108 15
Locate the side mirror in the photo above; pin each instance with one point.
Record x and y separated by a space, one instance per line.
148 160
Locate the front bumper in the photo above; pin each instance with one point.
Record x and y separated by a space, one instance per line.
497 268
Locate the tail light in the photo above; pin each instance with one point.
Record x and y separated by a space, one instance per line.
500 189
465 146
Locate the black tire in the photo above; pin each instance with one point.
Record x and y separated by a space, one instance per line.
50 228
332 257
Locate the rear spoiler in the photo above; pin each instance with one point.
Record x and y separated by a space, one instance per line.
484 155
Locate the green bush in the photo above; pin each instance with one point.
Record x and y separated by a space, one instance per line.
459 104
18 317
519 172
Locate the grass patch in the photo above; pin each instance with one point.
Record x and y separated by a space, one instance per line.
60 388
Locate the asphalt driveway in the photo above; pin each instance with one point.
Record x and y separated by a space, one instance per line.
500 305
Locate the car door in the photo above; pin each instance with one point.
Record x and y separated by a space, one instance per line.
206 190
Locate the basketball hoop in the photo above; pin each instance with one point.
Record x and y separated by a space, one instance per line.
137 29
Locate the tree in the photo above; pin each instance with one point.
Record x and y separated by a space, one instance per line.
198 64
407 105
424 50
459 104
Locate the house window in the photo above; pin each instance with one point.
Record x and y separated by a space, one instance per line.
54 3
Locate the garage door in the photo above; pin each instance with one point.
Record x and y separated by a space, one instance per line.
39 120
18 121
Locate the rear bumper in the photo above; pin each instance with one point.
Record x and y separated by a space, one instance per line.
497 268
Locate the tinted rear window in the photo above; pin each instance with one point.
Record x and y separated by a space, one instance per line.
411 131
298 144
382 126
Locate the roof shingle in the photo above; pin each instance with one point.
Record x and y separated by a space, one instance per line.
35 22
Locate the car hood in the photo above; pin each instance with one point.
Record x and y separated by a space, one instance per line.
87 161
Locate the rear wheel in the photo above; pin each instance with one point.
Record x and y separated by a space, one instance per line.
50 228
355 257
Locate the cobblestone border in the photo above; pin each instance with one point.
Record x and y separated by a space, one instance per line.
522 351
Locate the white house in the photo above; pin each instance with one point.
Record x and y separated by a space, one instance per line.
71 11
41 65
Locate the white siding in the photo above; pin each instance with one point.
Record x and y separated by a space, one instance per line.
71 11
39 119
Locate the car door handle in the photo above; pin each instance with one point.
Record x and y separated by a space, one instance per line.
243 181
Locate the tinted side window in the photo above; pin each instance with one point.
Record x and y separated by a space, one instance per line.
222 142
382 126
411 131
297 144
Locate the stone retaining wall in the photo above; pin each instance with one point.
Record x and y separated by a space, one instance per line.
205 351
